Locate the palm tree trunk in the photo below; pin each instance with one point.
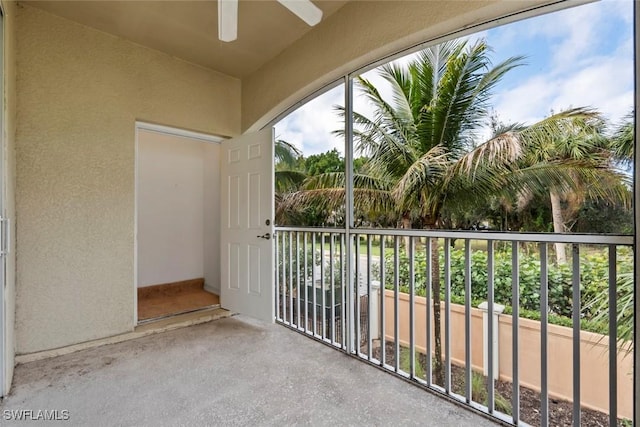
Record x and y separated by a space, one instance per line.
406 224
558 226
438 369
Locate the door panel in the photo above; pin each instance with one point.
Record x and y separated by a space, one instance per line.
247 225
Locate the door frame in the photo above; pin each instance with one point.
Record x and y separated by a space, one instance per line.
163 130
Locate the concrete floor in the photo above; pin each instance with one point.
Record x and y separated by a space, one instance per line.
233 371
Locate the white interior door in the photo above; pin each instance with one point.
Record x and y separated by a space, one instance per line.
247 207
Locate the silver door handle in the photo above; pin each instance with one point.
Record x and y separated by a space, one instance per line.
265 236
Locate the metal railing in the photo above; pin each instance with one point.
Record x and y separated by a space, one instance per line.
390 287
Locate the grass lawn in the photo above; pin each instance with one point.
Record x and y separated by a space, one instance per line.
476 245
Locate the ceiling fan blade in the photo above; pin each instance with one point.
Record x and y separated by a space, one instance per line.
227 20
304 9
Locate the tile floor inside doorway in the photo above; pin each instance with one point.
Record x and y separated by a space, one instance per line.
155 302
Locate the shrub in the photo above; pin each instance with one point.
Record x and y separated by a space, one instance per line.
594 270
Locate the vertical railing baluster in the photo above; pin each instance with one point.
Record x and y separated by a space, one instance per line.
544 310
369 298
467 320
314 322
383 321
350 322
447 315
575 283
298 279
332 283
284 277
278 267
356 287
428 296
515 323
490 331
290 287
396 302
412 301
613 337
306 284
323 297
343 293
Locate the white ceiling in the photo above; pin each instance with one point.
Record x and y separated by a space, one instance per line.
189 29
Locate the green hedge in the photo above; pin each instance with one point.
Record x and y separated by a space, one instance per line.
594 270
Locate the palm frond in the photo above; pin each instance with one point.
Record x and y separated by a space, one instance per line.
400 81
623 142
579 125
423 175
286 153
288 180
338 180
625 309
499 151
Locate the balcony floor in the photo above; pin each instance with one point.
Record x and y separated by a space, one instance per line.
233 371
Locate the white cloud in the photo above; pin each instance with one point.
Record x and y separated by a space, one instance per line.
602 82
576 38
527 102
605 85
310 127
585 71
579 68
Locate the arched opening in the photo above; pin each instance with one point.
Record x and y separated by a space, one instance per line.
410 180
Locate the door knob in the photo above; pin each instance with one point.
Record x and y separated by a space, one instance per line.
265 236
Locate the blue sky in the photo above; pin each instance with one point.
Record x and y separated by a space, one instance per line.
582 56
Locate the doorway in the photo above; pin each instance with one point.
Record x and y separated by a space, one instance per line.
177 222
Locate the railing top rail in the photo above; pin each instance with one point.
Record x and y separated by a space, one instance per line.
593 239
313 229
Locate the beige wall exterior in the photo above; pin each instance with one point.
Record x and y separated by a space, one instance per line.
8 138
594 371
358 34
80 92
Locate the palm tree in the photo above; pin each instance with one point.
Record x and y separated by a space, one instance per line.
287 176
439 101
423 158
575 137
413 144
286 159
579 140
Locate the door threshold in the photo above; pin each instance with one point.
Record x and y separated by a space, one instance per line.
179 313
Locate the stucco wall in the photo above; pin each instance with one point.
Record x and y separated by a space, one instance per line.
79 94
9 113
358 34
594 351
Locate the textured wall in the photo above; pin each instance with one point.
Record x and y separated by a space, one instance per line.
358 34
9 114
79 94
